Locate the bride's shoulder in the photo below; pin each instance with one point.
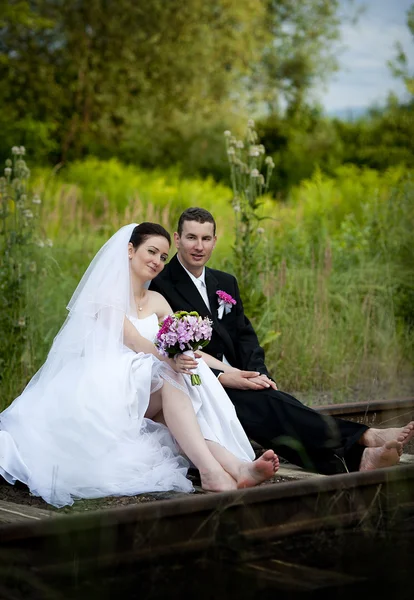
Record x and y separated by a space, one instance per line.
155 296
161 306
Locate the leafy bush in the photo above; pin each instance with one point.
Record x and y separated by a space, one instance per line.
97 197
23 269
332 296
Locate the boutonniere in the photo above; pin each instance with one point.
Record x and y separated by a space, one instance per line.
225 303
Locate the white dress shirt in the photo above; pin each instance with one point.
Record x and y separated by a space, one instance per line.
200 283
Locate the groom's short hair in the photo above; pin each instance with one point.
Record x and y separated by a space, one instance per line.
201 215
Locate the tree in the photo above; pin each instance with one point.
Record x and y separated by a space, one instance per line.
299 54
399 66
144 79
86 66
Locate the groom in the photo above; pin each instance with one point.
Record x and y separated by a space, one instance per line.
272 418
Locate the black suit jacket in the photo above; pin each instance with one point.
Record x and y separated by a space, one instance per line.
233 335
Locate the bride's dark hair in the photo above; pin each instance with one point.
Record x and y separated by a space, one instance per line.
145 230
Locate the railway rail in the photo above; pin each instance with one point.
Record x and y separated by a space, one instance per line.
377 413
237 534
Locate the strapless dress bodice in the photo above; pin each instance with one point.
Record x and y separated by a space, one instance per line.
147 327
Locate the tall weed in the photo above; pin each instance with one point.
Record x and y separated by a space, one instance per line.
24 265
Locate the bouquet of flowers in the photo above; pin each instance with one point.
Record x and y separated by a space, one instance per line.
182 333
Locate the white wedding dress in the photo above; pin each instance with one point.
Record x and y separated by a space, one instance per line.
85 434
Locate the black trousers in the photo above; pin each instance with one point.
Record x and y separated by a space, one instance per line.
319 443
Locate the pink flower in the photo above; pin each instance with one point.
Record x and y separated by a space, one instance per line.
226 302
225 297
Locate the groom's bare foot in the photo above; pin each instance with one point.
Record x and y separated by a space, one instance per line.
387 455
256 472
217 481
373 438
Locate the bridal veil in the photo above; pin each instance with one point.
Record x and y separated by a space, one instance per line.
78 430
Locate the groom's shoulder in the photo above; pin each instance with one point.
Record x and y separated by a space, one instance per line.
162 281
222 275
168 270
165 273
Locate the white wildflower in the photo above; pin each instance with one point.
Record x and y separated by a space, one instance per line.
40 243
49 243
36 199
260 230
28 214
239 144
7 171
22 150
250 123
230 151
15 150
254 173
21 322
227 133
236 208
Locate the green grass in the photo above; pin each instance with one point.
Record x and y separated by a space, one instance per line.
334 329
334 301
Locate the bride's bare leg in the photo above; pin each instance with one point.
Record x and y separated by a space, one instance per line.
246 474
155 405
181 420
159 418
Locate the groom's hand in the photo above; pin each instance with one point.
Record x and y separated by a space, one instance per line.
244 380
268 383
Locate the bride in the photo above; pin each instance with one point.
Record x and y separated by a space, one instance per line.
107 414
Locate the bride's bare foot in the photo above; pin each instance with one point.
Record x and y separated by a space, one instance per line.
256 472
373 438
384 456
217 481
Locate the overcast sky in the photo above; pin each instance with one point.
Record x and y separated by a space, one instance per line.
364 78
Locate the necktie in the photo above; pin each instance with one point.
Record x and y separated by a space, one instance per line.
203 293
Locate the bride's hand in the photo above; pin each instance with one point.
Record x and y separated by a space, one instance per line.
182 363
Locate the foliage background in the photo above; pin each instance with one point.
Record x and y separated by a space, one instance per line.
122 109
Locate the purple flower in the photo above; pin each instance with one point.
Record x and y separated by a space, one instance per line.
183 331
